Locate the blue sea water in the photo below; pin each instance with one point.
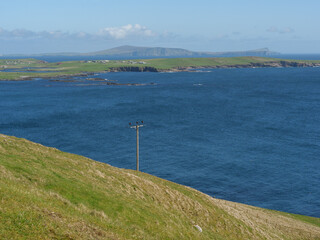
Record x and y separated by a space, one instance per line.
245 135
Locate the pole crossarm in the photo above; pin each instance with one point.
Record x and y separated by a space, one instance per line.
136 126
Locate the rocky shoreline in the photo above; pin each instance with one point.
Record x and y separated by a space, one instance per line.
133 69
279 64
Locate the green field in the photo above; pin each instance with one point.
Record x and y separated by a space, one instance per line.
49 194
31 68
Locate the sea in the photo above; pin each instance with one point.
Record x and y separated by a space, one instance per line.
245 135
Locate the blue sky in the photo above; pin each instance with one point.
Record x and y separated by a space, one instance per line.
36 26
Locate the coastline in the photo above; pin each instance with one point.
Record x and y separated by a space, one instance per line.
68 70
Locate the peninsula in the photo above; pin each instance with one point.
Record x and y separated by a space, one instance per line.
27 69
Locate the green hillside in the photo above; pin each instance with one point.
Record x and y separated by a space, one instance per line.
49 194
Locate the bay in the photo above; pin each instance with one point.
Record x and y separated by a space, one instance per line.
245 135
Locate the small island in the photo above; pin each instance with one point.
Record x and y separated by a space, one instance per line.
28 69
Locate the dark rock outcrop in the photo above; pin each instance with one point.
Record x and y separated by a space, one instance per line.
133 69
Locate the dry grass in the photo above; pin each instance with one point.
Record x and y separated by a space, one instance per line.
269 224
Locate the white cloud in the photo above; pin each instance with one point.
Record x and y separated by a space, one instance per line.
126 31
274 29
123 32
16 33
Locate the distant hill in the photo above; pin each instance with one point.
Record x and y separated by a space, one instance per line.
153 52
49 194
262 52
132 51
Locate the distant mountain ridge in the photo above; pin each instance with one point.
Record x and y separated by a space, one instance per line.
140 52
145 51
132 51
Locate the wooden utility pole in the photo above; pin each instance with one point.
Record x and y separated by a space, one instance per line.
137 126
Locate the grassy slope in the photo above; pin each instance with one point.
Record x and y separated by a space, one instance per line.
205 62
76 67
49 194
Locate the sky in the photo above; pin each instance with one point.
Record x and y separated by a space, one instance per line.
46 26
